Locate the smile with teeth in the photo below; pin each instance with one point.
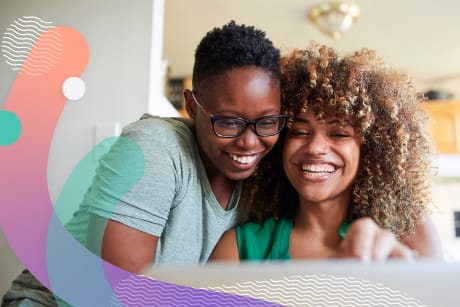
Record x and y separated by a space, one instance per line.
318 169
243 159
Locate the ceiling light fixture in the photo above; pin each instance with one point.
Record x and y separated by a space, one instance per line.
334 18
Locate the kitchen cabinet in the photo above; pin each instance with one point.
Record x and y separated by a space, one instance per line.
445 124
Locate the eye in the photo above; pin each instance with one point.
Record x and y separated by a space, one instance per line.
342 133
299 129
268 122
229 123
299 132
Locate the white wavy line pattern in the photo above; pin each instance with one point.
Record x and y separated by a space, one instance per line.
307 290
45 23
313 290
19 39
141 291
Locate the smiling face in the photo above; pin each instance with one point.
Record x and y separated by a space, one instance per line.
242 92
321 159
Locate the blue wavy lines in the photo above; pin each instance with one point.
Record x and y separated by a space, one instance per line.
19 40
314 290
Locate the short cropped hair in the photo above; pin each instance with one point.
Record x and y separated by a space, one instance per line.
233 46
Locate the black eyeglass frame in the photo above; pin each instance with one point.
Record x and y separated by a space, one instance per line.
248 122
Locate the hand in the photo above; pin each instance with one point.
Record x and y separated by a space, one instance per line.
367 241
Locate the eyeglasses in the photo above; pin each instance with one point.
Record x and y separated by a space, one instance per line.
232 127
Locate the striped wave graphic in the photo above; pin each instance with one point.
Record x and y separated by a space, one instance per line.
29 33
320 290
143 291
307 290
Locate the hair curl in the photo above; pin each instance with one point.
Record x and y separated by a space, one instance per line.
233 46
393 181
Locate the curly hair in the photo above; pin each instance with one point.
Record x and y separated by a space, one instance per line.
233 46
393 181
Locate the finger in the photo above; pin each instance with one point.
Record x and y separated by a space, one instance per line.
401 251
384 244
359 239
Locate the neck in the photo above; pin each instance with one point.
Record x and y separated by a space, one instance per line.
315 232
222 187
322 219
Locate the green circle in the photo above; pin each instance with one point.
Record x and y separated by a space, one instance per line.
10 128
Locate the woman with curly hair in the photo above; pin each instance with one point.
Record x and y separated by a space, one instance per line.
356 146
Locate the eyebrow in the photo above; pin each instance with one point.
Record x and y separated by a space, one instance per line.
330 122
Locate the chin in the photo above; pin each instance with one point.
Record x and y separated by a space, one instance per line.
314 197
240 175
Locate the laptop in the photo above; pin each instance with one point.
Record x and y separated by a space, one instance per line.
322 282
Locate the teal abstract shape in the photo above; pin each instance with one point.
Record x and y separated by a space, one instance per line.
66 249
79 181
10 128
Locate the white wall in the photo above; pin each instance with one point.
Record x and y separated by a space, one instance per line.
117 81
445 196
9 265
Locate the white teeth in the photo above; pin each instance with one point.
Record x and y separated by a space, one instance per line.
318 169
243 159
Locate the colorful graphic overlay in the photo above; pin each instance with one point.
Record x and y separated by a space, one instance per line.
48 77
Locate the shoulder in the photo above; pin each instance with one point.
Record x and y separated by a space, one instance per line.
157 137
255 227
266 240
268 226
157 128
227 248
249 241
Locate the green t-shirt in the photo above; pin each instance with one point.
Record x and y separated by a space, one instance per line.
268 240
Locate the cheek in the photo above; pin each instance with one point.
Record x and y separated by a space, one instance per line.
272 140
269 142
354 156
202 125
205 136
289 148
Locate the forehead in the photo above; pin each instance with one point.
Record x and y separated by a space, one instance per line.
249 92
323 118
249 77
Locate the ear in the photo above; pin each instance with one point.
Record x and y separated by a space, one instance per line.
190 105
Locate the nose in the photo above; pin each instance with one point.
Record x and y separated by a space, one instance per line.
318 144
249 137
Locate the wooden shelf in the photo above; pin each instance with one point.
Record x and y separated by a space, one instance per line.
445 124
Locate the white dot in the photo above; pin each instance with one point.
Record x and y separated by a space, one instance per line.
73 88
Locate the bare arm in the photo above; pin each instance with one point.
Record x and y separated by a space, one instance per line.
364 240
425 240
121 245
227 248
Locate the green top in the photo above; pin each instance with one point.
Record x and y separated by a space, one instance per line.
268 240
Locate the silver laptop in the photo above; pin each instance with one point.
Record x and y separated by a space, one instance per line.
320 282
